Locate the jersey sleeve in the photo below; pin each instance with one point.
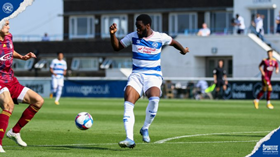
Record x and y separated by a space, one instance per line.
262 63
166 39
127 40
276 64
215 71
65 66
224 72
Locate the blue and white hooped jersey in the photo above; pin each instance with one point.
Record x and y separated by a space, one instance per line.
58 67
146 52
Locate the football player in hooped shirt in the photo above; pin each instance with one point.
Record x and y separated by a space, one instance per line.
12 92
146 75
266 67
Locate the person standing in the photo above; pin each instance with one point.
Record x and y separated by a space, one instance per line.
266 67
204 31
278 23
239 22
58 69
146 75
220 79
258 23
12 92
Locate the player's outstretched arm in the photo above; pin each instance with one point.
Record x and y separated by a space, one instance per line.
179 47
114 40
25 57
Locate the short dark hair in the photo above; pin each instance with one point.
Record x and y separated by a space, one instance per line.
146 19
271 50
58 53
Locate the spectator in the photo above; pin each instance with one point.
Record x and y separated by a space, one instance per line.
204 31
200 90
46 37
278 23
239 22
258 24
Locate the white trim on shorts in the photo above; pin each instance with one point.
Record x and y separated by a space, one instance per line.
22 94
4 89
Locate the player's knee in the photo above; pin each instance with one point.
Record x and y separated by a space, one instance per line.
39 101
9 106
269 88
264 88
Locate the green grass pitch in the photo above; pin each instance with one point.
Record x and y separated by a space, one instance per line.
181 128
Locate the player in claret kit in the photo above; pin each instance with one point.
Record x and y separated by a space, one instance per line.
266 67
12 92
146 76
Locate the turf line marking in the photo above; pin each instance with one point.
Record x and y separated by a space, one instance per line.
185 136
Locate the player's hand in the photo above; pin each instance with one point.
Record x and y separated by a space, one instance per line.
186 50
28 56
113 28
215 81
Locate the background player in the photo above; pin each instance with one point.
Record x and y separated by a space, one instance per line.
220 79
146 76
266 67
12 92
58 69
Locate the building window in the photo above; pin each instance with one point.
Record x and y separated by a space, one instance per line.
21 65
81 27
44 64
85 64
221 22
156 21
116 63
182 23
108 20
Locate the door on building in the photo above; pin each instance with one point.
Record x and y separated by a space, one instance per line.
268 21
212 63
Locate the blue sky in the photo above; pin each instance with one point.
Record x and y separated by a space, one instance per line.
39 18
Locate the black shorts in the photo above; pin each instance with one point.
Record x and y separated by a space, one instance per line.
220 83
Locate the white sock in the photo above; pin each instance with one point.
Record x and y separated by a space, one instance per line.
268 102
257 100
58 93
128 119
151 111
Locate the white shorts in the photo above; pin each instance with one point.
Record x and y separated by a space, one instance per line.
141 82
57 81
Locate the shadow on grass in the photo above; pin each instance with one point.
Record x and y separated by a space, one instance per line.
67 147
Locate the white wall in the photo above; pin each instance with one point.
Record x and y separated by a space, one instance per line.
246 55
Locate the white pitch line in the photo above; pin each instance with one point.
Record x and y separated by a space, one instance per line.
185 136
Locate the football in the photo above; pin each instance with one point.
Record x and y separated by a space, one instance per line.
83 121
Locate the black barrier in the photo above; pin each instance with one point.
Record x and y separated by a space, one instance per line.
249 90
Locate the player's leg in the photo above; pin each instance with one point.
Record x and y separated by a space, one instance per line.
7 106
224 90
54 87
269 90
153 95
132 93
217 91
36 101
131 96
58 94
152 86
260 94
60 84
